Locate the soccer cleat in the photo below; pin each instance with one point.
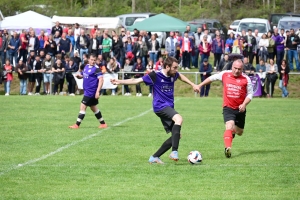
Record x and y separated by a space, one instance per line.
155 160
75 126
227 152
103 126
174 155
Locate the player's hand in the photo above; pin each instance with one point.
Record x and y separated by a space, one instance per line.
114 81
97 95
242 108
196 88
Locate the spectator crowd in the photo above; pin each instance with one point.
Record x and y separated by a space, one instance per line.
41 59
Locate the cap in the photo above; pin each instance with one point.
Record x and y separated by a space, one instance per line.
205 60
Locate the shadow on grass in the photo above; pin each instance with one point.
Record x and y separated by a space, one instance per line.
256 152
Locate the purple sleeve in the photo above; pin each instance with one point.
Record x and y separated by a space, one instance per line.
147 80
98 72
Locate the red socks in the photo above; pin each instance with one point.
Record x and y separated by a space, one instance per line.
228 138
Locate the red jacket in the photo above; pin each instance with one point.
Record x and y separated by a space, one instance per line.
208 48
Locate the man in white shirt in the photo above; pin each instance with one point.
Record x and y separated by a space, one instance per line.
76 33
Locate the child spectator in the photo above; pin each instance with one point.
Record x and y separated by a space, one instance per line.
70 68
159 64
21 68
150 68
7 76
284 71
138 67
127 68
113 67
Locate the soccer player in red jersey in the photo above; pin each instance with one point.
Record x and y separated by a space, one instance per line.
237 94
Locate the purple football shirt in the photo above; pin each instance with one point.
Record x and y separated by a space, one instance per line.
91 75
163 89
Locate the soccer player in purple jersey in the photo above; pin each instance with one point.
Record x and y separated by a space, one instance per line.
163 103
92 84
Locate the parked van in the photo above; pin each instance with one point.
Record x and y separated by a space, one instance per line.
275 17
129 19
262 25
288 23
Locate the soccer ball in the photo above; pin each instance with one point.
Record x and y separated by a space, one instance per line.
194 157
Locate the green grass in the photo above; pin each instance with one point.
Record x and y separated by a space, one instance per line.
112 164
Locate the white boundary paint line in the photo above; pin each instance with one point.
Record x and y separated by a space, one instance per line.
71 144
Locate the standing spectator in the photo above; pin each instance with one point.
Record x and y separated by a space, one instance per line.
21 69
106 46
47 65
204 49
8 37
261 71
76 58
37 66
186 49
279 46
238 45
94 44
208 37
24 45
14 45
113 67
197 43
58 28
149 69
139 68
159 64
171 47
59 76
206 70
8 76
82 44
117 45
3 48
99 39
223 64
135 35
56 39
42 40
127 68
65 45
51 47
263 45
229 41
257 37
70 68
250 43
248 67
271 45
218 49
291 45
142 50
284 71
129 48
72 39
31 76
94 30
77 31
34 43
271 76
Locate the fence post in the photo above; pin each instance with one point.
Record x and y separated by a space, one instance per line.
196 81
122 85
50 86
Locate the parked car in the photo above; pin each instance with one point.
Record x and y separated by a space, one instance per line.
128 19
288 23
262 25
212 25
233 26
275 17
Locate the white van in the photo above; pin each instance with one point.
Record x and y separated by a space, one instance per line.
288 23
129 19
262 25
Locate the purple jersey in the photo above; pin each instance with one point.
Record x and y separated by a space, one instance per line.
163 89
91 75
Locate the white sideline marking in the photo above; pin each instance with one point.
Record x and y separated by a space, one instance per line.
71 144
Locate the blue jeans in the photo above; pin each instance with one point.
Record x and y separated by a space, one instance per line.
2 55
153 57
279 57
195 58
293 54
7 86
205 89
82 51
150 89
202 57
13 56
23 86
284 90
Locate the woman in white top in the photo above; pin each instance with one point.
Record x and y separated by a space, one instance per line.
271 76
263 45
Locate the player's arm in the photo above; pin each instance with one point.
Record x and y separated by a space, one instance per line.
100 84
127 81
211 79
183 78
249 96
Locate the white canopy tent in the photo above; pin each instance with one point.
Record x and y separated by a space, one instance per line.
26 20
89 22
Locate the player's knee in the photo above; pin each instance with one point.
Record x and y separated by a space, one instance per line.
178 119
239 132
229 125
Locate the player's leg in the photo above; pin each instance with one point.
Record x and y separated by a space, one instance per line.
240 123
229 120
176 136
99 117
80 117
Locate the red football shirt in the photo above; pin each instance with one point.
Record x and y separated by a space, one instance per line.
235 89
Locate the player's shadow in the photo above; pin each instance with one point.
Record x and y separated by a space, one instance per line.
256 152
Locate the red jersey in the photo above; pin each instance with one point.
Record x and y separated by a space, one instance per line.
23 44
235 89
9 74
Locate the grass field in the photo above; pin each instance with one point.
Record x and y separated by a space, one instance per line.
40 158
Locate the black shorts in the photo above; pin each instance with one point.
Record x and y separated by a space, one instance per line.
166 116
235 115
89 101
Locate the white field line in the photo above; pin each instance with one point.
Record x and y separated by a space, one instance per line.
71 144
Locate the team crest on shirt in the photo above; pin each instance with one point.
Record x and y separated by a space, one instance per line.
89 70
172 79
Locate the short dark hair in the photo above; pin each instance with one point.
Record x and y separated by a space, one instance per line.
186 32
169 62
249 30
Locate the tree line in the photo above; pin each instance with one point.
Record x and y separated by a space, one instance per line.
223 10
